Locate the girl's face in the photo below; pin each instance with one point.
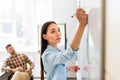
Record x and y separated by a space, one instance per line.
53 35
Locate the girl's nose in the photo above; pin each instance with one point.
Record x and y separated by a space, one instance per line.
58 33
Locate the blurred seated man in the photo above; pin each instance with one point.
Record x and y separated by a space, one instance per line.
18 64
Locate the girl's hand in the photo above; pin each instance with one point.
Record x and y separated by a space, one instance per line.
82 16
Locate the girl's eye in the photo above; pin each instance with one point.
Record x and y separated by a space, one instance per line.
58 30
52 31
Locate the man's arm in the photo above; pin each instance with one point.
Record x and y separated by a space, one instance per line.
16 69
29 65
5 67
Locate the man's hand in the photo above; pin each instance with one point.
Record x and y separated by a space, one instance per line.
29 71
19 69
16 69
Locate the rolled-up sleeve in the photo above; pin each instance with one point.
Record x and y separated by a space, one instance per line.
4 66
29 61
70 53
58 57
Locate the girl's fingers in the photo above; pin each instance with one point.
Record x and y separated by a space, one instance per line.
80 10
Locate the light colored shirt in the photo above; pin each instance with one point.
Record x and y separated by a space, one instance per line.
54 61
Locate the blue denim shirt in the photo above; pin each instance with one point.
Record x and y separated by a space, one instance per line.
54 61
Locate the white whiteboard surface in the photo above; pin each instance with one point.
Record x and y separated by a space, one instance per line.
94 24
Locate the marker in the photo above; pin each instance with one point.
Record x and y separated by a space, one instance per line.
79 5
75 13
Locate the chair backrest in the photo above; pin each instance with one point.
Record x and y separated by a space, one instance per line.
31 77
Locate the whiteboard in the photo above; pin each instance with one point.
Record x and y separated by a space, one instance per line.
89 58
94 24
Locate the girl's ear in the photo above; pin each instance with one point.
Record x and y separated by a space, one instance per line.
45 36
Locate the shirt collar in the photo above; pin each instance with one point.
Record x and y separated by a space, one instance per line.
49 46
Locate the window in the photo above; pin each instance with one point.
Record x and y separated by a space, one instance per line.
19 20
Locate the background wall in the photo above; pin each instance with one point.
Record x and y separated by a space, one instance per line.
112 70
62 12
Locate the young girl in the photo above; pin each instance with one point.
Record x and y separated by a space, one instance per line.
53 60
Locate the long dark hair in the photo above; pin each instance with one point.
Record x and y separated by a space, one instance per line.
44 44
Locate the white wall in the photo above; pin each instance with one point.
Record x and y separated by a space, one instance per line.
112 40
63 10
